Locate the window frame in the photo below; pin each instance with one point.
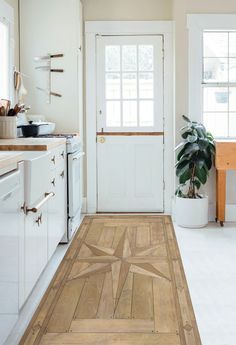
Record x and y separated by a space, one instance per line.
197 24
7 17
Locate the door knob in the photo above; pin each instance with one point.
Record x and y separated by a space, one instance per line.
101 140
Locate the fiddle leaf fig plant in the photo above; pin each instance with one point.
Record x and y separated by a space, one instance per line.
194 160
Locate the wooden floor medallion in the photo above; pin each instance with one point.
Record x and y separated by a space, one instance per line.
121 283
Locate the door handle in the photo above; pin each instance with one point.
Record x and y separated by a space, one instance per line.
101 140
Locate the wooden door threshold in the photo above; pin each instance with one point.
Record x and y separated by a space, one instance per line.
142 213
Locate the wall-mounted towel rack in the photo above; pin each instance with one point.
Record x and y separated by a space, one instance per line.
47 59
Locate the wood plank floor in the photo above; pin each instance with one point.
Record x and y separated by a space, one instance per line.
120 283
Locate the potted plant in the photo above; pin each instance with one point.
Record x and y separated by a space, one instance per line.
194 161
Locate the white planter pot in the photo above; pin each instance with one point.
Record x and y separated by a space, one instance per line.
191 213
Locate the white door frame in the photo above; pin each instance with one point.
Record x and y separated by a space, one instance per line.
94 28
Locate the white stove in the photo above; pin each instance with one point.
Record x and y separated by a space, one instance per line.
74 182
73 142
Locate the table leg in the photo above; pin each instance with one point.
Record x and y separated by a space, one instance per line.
220 195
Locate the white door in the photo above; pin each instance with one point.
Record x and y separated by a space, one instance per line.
130 123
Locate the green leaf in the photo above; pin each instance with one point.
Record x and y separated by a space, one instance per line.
181 170
186 134
201 175
192 138
200 163
186 118
185 127
203 143
192 148
180 145
181 154
185 176
197 184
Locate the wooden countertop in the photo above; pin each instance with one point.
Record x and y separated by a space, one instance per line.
30 144
9 158
225 158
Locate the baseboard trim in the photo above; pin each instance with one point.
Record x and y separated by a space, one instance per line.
84 205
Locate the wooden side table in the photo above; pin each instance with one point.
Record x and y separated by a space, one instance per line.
225 160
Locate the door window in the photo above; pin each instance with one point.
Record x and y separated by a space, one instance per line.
131 92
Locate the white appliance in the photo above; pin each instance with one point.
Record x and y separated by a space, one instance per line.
74 182
11 231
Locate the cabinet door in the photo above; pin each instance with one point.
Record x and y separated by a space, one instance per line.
10 229
57 210
36 255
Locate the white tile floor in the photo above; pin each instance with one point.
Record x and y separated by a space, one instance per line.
209 258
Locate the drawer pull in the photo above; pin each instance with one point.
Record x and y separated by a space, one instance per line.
35 209
54 159
39 220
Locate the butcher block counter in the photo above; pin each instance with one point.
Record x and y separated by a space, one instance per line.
8 158
31 144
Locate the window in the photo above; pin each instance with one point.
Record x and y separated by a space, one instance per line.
129 80
219 82
4 60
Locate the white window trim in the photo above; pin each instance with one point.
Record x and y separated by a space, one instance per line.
197 24
7 15
94 28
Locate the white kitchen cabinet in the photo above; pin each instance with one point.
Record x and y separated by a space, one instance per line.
57 210
36 255
11 232
45 174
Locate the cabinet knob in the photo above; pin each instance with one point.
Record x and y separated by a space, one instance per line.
54 159
62 174
53 182
63 154
39 220
23 208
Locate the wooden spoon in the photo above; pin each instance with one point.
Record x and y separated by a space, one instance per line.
2 111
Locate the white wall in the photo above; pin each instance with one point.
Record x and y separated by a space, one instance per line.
52 27
14 5
127 9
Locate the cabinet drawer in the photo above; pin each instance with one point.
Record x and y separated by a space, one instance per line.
57 157
225 155
36 178
61 154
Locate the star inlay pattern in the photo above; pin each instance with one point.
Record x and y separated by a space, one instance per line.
120 261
